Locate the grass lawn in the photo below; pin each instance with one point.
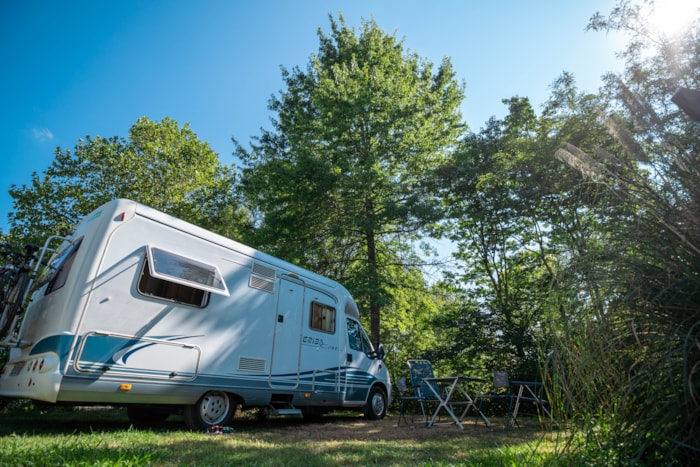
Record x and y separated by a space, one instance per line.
105 437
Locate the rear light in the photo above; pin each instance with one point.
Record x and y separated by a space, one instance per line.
41 364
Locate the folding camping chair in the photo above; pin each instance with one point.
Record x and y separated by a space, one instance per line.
405 396
500 390
419 371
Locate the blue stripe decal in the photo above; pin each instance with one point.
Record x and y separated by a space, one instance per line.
60 345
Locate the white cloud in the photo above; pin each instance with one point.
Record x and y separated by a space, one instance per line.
42 134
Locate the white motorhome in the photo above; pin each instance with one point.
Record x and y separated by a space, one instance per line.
147 311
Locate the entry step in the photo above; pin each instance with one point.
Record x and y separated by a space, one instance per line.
279 406
274 411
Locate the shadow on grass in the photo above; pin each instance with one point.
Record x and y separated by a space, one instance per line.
62 420
56 420
60 436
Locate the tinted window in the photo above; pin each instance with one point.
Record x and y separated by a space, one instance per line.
186 271
61 266
171 291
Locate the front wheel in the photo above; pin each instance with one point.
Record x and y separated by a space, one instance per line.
376 404
213 408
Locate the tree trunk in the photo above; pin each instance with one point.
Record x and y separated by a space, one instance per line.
374 306
373 278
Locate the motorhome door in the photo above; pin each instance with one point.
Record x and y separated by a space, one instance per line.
284 369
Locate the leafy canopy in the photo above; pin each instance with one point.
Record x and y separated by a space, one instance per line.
160 164
342 178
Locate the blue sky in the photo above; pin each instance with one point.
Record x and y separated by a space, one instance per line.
75 68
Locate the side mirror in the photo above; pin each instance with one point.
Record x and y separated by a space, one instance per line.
380 352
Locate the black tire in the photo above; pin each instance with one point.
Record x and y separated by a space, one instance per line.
213 408
376 404
12 303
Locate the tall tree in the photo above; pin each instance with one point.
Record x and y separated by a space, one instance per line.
160 164
341 179
496 187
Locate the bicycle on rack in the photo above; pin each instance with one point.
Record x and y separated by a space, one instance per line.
15 277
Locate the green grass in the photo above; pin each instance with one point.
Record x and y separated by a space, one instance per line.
65 437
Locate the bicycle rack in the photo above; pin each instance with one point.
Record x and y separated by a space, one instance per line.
12 338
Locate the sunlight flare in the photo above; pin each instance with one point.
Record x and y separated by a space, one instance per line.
671 17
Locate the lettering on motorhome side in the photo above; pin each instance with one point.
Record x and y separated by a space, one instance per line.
317 342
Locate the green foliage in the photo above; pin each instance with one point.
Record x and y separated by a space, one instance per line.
589 274
495 199
628 334
407 326
340 184
160 164
577 231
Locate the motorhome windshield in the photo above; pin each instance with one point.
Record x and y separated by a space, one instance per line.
358 339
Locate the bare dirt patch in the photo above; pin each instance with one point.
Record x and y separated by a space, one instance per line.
355 427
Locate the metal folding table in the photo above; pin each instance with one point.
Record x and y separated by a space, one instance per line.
533 394
453 391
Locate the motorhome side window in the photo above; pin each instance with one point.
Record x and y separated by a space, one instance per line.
178 278
173 277
171 291
176 268
322 317
61 266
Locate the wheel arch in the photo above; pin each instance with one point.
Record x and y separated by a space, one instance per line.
213 407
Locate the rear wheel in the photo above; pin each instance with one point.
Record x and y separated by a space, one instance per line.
213 408
376 404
